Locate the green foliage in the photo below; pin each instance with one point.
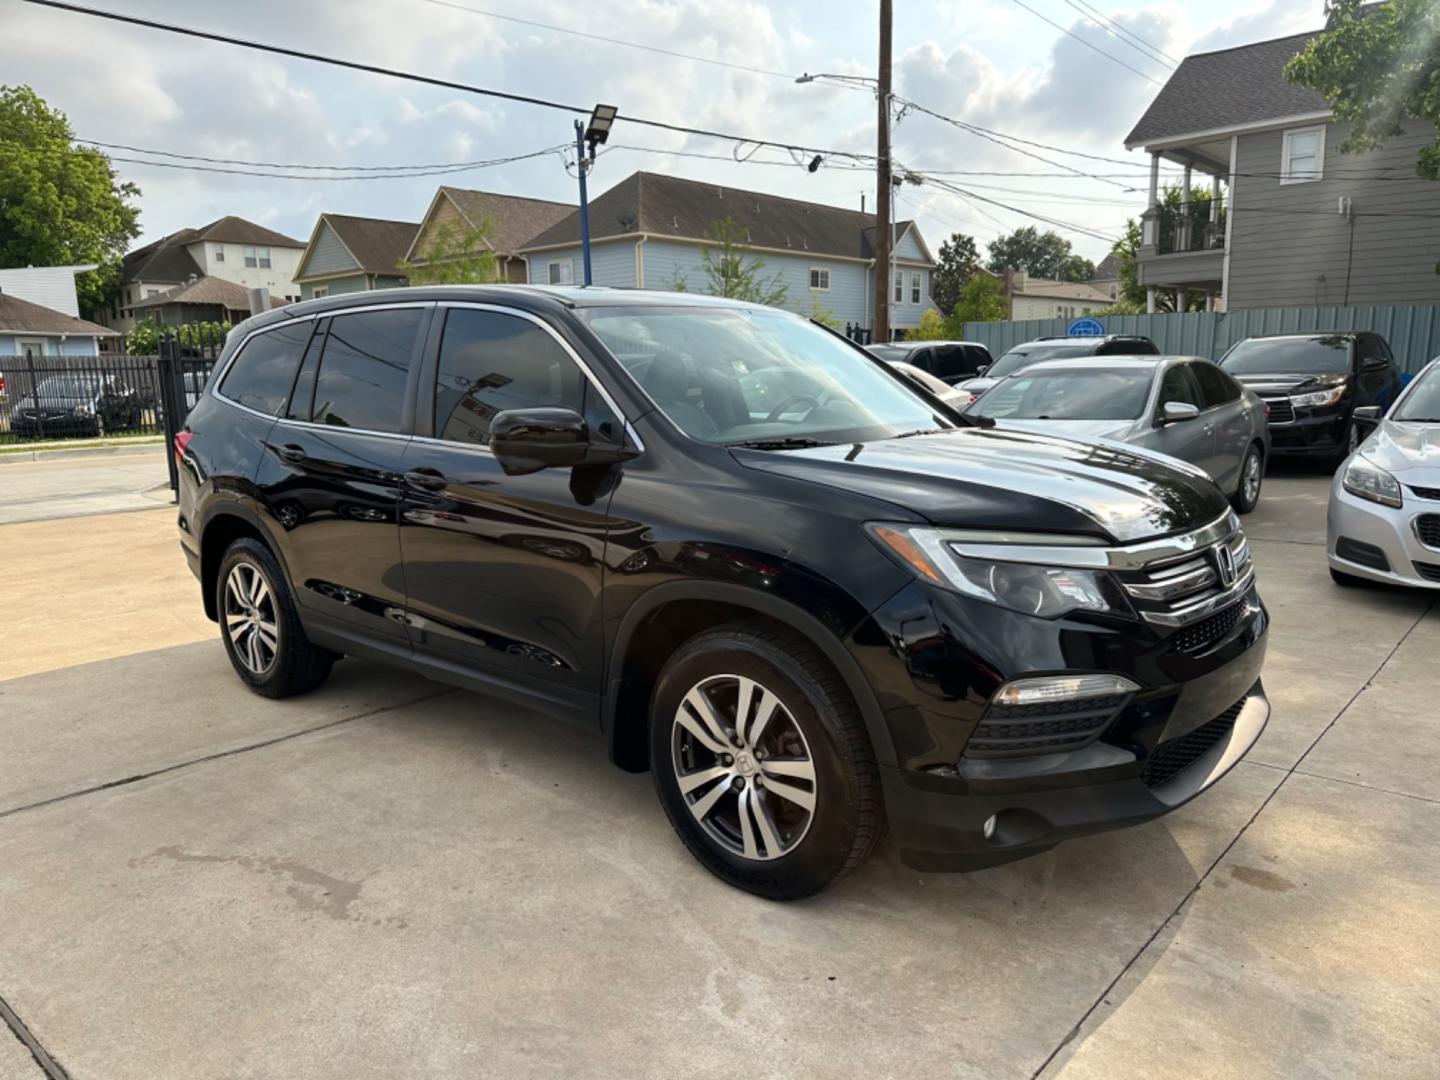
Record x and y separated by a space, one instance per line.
144 339
456 255
1041 255
959 259
932 327
981 300
1132 297
60 204
821 314
730 272
1378 65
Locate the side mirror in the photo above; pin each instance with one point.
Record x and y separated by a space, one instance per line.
1367 417
1172 412
528 440
1374 363
979 371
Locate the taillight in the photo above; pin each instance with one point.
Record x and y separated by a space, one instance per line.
182 440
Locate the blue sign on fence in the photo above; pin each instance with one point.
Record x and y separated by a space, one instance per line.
1086 328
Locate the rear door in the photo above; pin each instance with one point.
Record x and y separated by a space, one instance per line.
504 573
1226 412
1374 372
1189 440
952 363
329 479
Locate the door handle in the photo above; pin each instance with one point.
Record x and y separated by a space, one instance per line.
425 479
291 453
1208 429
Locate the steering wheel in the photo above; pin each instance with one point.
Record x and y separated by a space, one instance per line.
794 399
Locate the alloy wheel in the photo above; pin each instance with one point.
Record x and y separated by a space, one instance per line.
1354 439
744 768
1252 479
250 618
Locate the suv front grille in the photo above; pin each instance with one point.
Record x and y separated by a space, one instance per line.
1281 411
1200 635
1184 590
1050 727
1427 528
1171 758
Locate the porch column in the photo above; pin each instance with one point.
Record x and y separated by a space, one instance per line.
1182 227
1150 219
1182 297
1150 300
1154 180
1210 240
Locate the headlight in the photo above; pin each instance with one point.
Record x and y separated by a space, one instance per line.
1043 591
1318 398
83 410
1368 481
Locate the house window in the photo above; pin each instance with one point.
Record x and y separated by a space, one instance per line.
319 291
561 273
914 286
219 252
257 257
1302 155
820 278
899 286
151 292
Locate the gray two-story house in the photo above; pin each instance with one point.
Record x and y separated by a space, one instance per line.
1291 221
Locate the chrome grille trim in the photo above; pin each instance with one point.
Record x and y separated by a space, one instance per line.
1133 557
1185 591
1202 608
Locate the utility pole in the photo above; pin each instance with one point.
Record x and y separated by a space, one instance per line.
882 183
581 164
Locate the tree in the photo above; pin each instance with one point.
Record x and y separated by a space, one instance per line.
60 204
457 255
1377 65
731 273
1133 298
1041 255
959 259
981 300
932 327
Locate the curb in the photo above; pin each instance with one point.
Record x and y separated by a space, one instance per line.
44 452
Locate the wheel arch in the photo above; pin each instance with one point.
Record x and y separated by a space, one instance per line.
223 526
670 614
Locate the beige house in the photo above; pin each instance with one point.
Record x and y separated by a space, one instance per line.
514 220
1040 298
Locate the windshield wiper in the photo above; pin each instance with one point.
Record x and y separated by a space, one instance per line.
781 442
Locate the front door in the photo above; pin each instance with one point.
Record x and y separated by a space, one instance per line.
1228 414
504 573
1190 440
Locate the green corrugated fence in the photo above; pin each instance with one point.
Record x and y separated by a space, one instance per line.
1413 330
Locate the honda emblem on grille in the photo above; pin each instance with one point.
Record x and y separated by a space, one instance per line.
1225 563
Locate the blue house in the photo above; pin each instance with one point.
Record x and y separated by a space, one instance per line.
32 331
650 232
354 254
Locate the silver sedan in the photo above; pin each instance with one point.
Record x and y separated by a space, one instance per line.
1182 406
1384 518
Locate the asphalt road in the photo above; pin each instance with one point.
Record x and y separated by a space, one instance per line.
388 878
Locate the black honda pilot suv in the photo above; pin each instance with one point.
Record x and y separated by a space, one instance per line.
809 598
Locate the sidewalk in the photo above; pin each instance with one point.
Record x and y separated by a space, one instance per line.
80 481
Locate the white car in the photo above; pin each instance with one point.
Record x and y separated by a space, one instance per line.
1384 517
956 399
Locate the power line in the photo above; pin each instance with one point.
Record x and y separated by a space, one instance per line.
1130 33
1115 30
449 84
188 167
400 170
1094 48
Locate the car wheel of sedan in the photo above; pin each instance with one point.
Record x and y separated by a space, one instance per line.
260 627
762 762
1252 475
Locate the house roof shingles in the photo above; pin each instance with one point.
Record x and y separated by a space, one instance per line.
377 243
669 206
235 230
1243 85
1045 289
207 290
167 259
22 317
515 218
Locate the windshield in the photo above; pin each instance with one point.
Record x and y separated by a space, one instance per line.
1423 400
67 386
737 375
1019 359
1321 355
1083 394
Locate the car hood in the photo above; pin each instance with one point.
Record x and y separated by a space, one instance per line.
1297 383
1406 448
993 478
976 386
1072 429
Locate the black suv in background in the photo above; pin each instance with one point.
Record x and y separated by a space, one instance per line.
951 362
1311 385
749 553
1057 348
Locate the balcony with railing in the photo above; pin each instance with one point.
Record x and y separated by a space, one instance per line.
1183 245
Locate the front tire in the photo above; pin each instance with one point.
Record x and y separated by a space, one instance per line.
1252 475
762 762
260 625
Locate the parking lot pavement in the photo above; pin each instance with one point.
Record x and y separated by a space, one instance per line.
455 887
81 482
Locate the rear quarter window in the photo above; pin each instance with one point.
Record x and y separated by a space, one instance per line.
261 375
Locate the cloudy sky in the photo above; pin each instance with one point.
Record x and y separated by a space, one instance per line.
990 62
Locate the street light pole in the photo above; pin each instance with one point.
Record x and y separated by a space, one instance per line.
581 164
883 245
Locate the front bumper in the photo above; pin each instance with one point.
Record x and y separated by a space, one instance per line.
1321 433
1359 529
1195 716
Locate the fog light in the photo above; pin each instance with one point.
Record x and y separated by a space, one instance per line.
1043 691
989 827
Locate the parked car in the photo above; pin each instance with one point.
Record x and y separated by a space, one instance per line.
1384 516
808 618
952 362
75 403
1312 383
1182 406
1058 348
931 385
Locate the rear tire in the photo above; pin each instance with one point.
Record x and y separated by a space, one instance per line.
260 625
1252 476
782 800
1349 581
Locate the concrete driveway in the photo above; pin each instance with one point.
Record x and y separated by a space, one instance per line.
389 878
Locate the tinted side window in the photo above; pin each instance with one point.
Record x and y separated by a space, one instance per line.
261 376
490 362
363 368
1177 385
950 361
1215 387
977 356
